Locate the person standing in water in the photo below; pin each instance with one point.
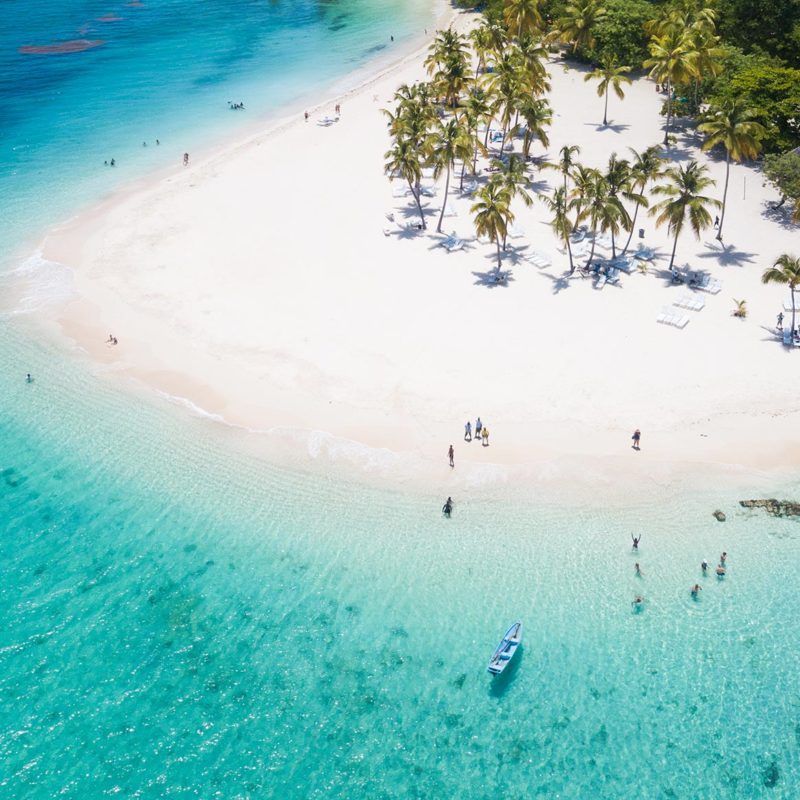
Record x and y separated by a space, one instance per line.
704 566
451 455
28 378
695 589
185 159
447 508
636 540
638 569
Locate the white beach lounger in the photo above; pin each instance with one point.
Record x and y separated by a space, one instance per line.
400 191
625 263
601 281
692 303
515 232
671 316
455 246
538 259
645 254
787 303
449 211
470 188
427 191
603 240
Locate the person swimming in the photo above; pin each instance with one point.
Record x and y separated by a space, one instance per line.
638 603
695 589
447 508
28 378
720 571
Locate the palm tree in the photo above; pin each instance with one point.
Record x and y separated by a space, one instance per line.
513 177
483 41
576 26
733 127
522 16
560 222
449 141
493 214
620 183
583 179
566 162
538 116
647 167
785 270
403 160
682 198
672 62
505 84
475 109
609 75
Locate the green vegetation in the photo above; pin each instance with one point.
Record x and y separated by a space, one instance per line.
783 171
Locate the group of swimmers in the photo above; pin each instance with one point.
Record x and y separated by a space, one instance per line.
638 600
235 106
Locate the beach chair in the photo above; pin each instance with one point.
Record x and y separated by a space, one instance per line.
787 337
449 211
428 191
612 276
644 254
515 232
470 188
603 240
787 303
601 281
455 246
400 191
625 263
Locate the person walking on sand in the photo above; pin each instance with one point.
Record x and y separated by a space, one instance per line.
478 427
468 432
637 435
451 455
780 320
485 436
185 159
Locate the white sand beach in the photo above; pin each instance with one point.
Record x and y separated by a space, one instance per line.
259 284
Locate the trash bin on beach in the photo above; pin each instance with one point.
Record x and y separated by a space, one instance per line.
641 233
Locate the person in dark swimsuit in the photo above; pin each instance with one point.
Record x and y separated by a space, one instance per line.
447 508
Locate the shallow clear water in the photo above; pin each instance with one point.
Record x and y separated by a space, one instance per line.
165 70
179 620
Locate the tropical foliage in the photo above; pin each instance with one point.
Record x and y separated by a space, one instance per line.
785 271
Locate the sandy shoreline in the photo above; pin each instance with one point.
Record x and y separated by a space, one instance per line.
258 284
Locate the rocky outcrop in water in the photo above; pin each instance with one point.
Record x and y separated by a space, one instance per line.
778 508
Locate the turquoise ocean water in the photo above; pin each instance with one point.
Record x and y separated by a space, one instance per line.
178 619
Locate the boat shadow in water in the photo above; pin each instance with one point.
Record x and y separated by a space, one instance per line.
500 684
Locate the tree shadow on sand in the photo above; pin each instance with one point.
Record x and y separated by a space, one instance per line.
727 254
494 279
781 216
614 127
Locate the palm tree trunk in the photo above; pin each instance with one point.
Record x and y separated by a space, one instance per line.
569 253
463 170
497 242
577 217
613 246
669 110
674 248
444 201
591 252
419 205
475 154
605 110
724 193
633 226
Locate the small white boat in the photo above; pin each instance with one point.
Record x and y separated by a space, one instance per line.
506 649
